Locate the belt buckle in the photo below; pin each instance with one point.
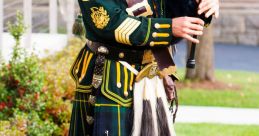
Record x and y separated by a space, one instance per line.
148 57
140 9
148 71
102 50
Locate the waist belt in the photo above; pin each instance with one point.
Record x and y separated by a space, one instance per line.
104 51
121 54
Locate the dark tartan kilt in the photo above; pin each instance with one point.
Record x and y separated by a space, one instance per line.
110 118
81 110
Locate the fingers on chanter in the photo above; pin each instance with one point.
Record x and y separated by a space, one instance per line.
191 39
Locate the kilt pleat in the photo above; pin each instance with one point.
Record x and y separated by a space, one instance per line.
109 118
112 120
81 110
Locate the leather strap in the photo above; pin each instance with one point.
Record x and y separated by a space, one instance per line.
119 54
163 57
139 8
132 2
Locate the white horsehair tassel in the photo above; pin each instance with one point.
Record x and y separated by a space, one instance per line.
138 106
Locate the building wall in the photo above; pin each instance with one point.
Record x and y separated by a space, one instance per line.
238 22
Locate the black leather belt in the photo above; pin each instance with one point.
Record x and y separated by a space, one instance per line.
117 53
104 51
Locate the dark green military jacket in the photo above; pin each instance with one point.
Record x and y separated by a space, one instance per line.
107 21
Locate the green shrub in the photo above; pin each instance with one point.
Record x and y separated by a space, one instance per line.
21 78
7 129
35 95
59 86
17 29
22 101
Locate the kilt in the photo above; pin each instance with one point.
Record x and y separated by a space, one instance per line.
109 118
82 110
112 119
112 112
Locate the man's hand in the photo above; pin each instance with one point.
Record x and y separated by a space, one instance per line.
209 7
185 27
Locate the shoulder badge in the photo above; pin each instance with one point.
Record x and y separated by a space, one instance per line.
100 17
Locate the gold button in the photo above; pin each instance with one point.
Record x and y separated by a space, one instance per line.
126 94
152 43
154 34
131 88
121 55
157 25
119 85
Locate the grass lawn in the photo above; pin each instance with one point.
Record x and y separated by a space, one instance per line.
183 129
247 96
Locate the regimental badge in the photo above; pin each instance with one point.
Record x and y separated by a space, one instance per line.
100 17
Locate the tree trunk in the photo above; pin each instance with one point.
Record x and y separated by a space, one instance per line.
204 57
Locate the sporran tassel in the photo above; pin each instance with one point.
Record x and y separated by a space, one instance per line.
147 123
78 27
151 113
163 128
147 126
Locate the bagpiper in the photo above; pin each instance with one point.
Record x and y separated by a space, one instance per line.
125 73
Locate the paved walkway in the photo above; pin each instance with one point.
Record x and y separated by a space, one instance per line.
199 114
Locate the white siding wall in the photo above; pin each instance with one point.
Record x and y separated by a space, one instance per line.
53 19
27 9
1 26
53 16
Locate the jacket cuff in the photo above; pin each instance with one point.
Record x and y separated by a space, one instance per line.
160 32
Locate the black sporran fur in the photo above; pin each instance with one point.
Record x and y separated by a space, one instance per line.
162 124
147 124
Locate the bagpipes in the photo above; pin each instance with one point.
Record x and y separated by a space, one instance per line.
179 8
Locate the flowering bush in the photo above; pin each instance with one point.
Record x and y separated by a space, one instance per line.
59 86
35 95
21 79
57 69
